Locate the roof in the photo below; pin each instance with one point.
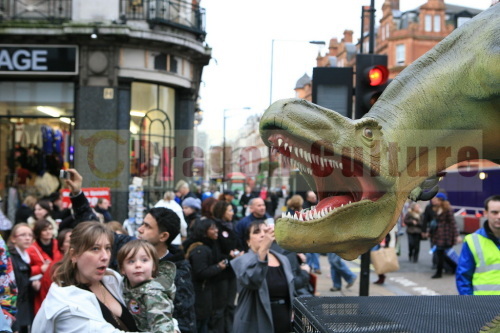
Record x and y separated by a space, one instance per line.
303 81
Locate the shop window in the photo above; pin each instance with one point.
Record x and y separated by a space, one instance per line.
152 138
36 126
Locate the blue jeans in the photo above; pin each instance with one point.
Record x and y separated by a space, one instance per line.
313 260
339 270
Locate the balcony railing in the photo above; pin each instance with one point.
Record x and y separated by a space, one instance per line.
54 11
176 13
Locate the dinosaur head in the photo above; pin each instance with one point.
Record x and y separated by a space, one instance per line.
341 160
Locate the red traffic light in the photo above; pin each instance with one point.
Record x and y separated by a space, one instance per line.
378 75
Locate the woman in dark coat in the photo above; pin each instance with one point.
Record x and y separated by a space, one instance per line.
206 263
265 285
20 239
445 236
231 248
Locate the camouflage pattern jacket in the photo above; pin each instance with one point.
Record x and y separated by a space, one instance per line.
152 302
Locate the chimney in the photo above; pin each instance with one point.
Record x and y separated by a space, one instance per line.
333 47
366 19
348 36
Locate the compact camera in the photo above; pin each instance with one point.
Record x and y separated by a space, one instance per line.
64 174
235 253
225 261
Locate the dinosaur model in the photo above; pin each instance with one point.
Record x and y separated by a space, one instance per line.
443 109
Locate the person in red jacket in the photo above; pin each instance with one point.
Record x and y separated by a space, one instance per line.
44 253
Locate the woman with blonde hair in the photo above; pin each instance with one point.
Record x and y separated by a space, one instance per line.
19 241
85 293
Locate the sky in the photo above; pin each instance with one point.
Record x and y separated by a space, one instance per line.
241 34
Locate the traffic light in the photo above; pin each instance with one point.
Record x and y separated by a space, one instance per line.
371 80
332 89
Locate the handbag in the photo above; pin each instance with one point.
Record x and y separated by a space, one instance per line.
384 260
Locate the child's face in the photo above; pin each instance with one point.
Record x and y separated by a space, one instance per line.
138 268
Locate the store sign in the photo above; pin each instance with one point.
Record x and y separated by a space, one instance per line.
39 59
91 193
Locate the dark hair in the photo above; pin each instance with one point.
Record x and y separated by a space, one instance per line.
490 198
207 207
168 221
83 237
61 236
45 204
254 224
131 248
40 226
220 209
200 229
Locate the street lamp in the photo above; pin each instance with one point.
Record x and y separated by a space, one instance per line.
224 144
315 42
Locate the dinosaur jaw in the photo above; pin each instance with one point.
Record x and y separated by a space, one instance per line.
340 181
351 198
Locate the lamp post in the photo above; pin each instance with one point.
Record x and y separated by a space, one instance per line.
224 144
315 42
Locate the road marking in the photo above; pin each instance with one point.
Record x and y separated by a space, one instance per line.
414 286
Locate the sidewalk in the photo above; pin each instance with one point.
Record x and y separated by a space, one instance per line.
324 281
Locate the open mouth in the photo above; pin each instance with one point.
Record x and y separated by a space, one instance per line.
101 269
340 179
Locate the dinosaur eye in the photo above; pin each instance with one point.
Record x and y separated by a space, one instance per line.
367 132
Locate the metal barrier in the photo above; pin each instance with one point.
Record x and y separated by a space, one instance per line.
409 314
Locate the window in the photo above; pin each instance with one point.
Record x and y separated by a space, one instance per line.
161 62
428 23
437 23
400 54
38 99
174 65
462 20
387 31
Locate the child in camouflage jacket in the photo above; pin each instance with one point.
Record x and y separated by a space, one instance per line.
149 299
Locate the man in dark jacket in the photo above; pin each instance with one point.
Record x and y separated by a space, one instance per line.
160 226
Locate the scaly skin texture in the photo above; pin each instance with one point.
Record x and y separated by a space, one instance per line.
443 109
493 326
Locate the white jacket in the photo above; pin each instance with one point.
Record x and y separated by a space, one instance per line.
74 310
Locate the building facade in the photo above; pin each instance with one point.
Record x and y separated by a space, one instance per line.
108 87
402 36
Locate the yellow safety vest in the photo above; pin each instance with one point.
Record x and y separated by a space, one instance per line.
486 278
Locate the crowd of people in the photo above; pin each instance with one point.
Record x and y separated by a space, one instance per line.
178 274
196 265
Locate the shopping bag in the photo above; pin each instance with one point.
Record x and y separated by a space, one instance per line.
384 260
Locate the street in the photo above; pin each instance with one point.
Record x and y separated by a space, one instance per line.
411 279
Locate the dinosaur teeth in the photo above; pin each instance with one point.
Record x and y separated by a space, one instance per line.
296 151
286 146
280 142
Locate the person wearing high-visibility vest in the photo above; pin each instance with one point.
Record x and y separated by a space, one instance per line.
478 270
